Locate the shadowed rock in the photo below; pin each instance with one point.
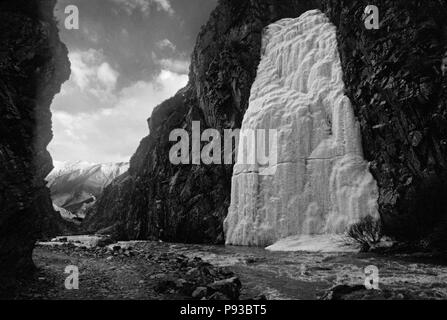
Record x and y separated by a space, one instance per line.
33 65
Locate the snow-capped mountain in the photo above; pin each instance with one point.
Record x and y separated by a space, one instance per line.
75 186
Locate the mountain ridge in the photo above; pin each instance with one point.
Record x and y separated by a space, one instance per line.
75 186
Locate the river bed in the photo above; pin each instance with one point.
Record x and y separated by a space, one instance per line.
276 275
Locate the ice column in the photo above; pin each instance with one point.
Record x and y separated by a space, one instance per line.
322 183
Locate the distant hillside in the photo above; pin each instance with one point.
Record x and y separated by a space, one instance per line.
75 186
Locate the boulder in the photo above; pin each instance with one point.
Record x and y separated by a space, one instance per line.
229 287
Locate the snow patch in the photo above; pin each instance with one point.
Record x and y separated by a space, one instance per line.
83 168
321 243
64 213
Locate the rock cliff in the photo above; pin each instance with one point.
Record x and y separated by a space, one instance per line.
189 203
393 79
33 65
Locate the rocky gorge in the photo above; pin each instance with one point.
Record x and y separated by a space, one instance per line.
393 78
139 270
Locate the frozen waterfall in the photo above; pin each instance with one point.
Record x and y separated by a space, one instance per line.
322 183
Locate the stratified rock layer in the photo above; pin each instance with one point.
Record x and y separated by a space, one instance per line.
320 184
33 65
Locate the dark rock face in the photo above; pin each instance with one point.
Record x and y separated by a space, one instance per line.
188 203
393 78
33 65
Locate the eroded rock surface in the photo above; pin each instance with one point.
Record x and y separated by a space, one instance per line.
33 65
394 80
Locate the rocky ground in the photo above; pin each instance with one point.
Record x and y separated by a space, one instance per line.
153 270
126 271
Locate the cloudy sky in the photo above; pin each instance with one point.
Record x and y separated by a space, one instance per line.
126 58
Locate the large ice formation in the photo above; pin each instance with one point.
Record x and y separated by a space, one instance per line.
322 183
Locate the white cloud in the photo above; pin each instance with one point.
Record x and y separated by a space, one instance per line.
89 72
111 134
145 6
92 84
164 5
165 44
90 33
175 65
80 72
107 75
